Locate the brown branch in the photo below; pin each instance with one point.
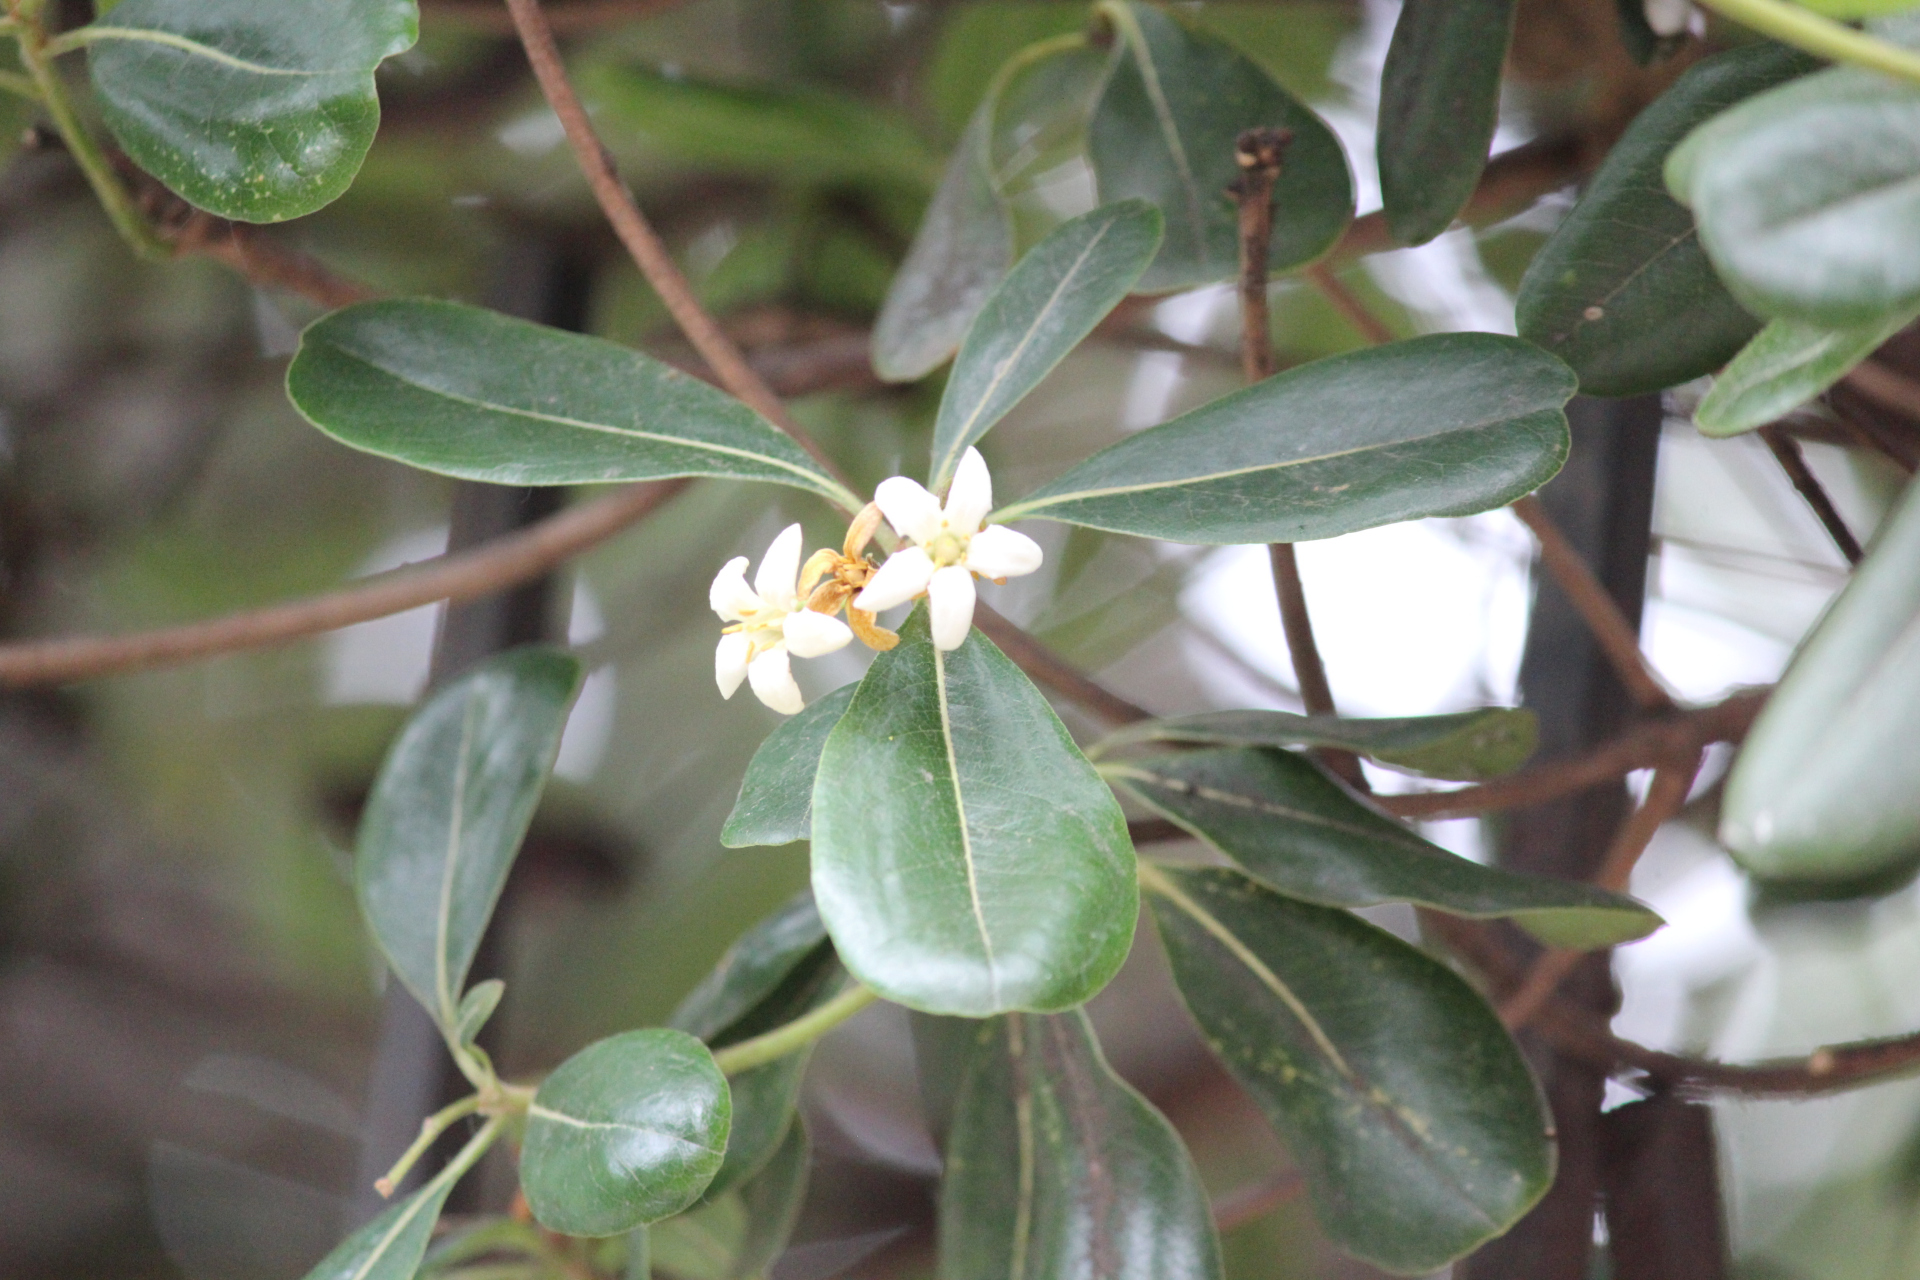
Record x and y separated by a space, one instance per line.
1511 181
466 575
565 18
1665 740
1050 671
1615 635
265 262
1886 387
1786 451
637 235
1256 1200
1348 304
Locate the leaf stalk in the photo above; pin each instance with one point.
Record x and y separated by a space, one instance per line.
430 1130
796 1035
1820 36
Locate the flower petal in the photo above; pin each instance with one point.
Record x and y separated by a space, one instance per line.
970 496
900 579
909 508
730 662
810 634
950 606
999 552
779 570
771 676
730 596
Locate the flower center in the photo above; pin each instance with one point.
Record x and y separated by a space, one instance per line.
948 548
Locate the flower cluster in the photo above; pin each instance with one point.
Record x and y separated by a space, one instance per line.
791 610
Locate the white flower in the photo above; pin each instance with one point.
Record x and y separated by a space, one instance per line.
949 548
771 624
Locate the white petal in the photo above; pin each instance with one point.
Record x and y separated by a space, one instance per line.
772 678
909 508
730 662
970 496
810 634
779 570
950 606
999 552
730 596
900 579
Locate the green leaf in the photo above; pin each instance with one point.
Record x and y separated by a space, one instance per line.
776 794
1439 103
1857 8
1395 1088
966 857
1302 834
628 1131
392 1245
1786 365
471 393
253 111
1834 245
448 812
1622 290
1823 788
963 247
1464 745
476 1007
794 132
738 1236
1059 291
1444 425
1057 1170
1165 128
781 968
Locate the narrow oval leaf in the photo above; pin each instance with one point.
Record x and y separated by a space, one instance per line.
1786 365
779 970
963 247
1301 834
1823 788
1463 746
1833 245
952 878
253 111
1164 131
1060 290
776 794
1393 1085
1445 425
471 393
1622 289
392 1245
476 1007
1439 103
1057 1170
626 1132
448 812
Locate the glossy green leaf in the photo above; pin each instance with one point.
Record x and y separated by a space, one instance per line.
1060 290
253 111
1056 1169
776 794
1164 131
966 857
471 393
1300 833
963 247
780 969
628 1131
1394 1086
1786 365
1445 425
391 1246
1464 745
942 1048
1439 103
1623 290
448 812
791 131
1807 196
1823 788
476 1007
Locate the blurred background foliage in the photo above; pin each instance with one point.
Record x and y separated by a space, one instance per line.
188 1003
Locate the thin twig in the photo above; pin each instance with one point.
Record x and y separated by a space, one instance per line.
1348 304
1050 671
1615 635
1786 451
266 263
565 18
1649 744
1511 181
638 237
1886 387
1665 795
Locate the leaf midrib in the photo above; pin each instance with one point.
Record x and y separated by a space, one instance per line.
1181 786
537 1111
186 44
960 813
443 920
